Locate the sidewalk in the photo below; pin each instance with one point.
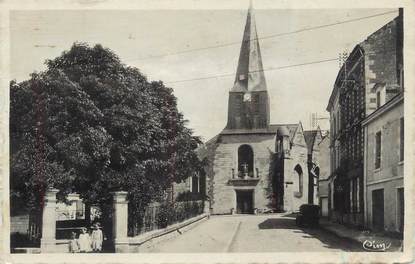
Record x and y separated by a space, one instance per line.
369 240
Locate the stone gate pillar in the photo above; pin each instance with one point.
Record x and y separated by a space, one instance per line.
120 222
48 240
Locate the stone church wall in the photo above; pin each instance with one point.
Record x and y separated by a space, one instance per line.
298 156
226 159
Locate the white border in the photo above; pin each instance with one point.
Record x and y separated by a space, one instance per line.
6 5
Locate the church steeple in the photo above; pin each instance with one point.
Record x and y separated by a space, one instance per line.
250 72
248 106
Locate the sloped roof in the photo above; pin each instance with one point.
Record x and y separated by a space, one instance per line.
310 136
292 128
203 150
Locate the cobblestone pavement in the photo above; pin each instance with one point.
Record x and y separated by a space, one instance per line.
254 233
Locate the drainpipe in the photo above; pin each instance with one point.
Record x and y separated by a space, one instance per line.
365 150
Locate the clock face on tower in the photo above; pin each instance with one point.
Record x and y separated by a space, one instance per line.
247 97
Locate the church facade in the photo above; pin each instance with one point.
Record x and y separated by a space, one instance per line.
254 166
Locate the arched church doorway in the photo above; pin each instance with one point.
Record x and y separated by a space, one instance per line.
245 161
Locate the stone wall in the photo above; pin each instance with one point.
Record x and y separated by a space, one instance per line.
389 125
323 161
19 224
298 156
390 189
226 159
381 61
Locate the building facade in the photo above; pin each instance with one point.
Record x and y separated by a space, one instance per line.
252 165
318 161
384 159
323 160
347 110
370 76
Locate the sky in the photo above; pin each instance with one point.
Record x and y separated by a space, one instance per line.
142 38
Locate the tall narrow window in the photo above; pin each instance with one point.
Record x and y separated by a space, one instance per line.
358 195
195 184
378 99
299 172
378 149
255 102
245 161
351 196
354 190
401 140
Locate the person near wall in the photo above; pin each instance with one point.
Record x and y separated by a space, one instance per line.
73 244
84 241
97 238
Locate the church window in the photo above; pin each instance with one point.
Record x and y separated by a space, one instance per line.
195 184
378 142
238 103
299 172
255 101
245 161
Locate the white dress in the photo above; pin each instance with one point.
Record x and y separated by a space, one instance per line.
84 242
97 240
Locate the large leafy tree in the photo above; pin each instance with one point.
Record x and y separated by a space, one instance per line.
92 125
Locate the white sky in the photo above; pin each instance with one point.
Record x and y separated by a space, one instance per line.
295 92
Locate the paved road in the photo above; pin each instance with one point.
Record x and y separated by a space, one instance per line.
251 233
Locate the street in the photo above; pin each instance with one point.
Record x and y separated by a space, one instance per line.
253 233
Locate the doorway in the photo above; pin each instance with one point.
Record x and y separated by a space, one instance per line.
400 210
244 201
378 213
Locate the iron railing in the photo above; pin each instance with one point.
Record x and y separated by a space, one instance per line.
157 216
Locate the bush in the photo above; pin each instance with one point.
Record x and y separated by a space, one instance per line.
308 216
310 210
165 215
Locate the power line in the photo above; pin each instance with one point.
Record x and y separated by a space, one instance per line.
268 69
265 37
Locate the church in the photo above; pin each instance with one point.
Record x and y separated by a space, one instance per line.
254 166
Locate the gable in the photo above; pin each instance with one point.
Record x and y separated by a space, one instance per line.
298 137
318 138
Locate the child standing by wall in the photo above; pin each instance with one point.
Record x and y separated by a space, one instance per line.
84 241
97 238
73 244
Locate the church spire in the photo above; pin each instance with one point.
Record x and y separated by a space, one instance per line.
248 104
250 73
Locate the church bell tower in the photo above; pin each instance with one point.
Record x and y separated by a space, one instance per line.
248 106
